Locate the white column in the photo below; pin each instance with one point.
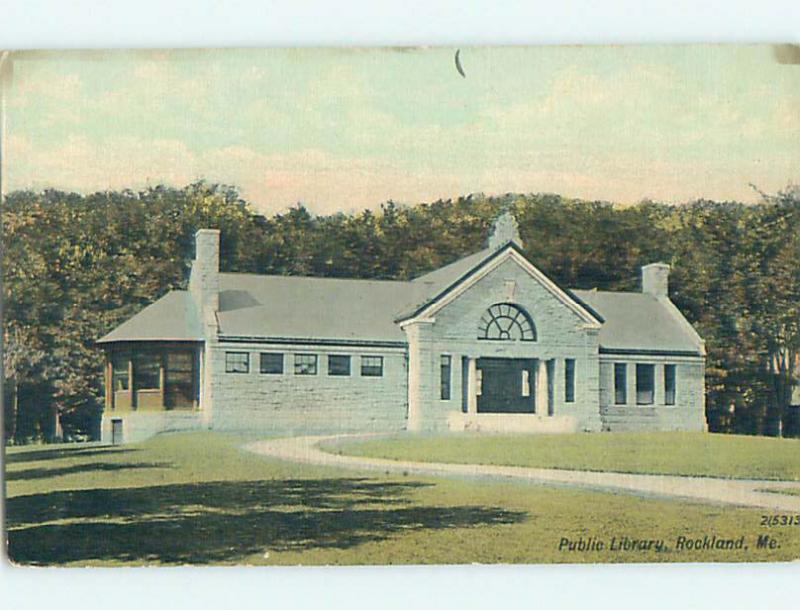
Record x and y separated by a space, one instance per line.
541 389
472 386
206 395
658 384
631 384
414 423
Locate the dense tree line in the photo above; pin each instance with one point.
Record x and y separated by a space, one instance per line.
75 266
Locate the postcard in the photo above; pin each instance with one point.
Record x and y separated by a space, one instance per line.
511 305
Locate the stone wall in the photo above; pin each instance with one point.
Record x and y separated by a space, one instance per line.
561 334
688 412
289 403
140 425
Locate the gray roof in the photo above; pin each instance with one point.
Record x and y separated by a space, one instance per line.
433 285
638 321
427 287
173 317
311 308
444 276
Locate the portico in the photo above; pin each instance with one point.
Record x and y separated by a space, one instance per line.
509 394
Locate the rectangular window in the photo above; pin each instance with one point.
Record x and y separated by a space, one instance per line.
478 382
147 370
237 362
569 380
271 363
179 379
305 364
669 384
445 368
645 383
372 366
119 372
338 365
620 383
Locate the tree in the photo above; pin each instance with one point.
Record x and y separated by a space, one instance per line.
23 359
772 293
76 266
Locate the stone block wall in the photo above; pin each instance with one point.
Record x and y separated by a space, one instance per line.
204 276
561 334
140 425
289 403
688 412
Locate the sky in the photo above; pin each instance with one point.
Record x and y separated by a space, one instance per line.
347 129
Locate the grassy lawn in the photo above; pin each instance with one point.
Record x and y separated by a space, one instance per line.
200 499
685 453
784 490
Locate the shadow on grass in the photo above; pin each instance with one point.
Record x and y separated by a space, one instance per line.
45 473
224 521
37 455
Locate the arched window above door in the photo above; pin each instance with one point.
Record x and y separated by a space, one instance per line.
506 322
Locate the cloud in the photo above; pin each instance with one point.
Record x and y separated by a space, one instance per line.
353 130
786 117
27 89
83 165
328 183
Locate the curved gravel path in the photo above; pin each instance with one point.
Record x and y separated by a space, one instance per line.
306 450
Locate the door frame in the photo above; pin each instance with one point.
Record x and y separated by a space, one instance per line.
523 404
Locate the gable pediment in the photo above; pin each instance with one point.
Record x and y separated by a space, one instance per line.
510 253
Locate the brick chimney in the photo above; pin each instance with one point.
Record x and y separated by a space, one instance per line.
204 277
655 279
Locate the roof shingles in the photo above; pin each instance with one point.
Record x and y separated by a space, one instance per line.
173 317
308 308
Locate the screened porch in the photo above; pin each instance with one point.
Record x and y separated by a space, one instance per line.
152 376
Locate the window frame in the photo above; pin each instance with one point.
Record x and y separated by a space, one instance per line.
445 381
121 372
180 378
313 358
229 365
521 323
152 358
347 357
525 382
641 366
261 367
364 367
623 367
570 371
673 391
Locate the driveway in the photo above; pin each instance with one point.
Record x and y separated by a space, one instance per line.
306 450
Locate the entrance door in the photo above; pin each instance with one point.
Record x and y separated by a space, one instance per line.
507 385
116 431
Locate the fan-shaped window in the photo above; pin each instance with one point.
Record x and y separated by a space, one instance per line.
506 322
